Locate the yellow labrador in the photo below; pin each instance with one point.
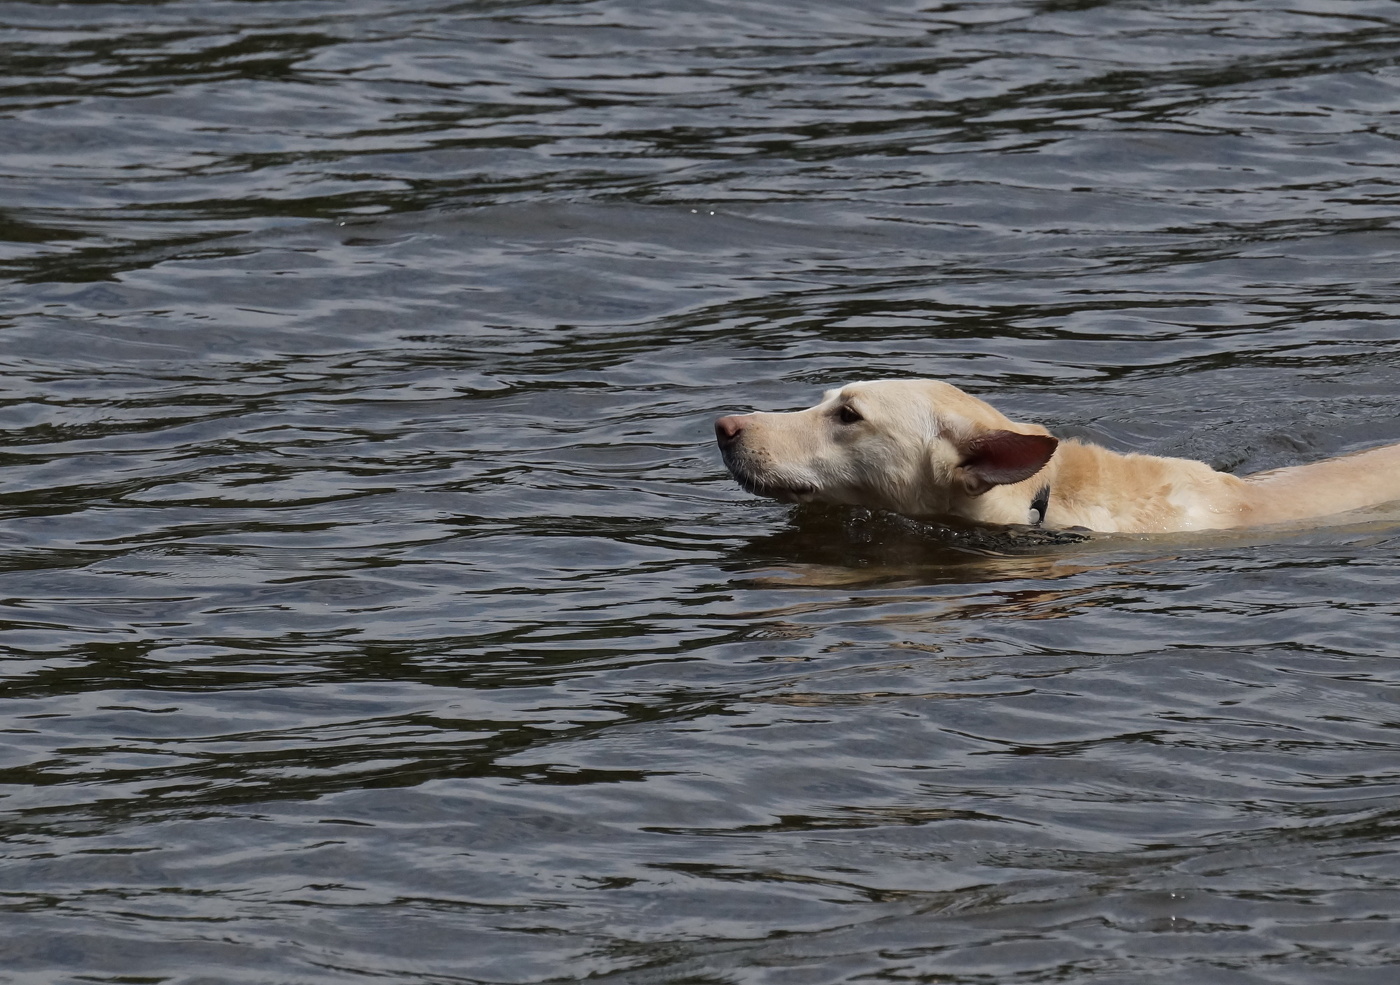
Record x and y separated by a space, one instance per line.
925 448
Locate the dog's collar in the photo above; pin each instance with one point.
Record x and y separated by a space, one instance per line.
1039 505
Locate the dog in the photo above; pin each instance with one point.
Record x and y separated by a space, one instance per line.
924 448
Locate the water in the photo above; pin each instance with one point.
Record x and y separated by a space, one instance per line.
375 606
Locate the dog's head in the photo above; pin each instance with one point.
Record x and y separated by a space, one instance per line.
917 447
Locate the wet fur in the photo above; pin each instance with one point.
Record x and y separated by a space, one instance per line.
926 448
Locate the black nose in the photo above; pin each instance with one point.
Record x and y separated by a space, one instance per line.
728 429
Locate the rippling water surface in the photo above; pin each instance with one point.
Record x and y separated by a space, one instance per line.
374 606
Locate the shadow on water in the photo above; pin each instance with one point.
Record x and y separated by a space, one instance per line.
856 548
839 546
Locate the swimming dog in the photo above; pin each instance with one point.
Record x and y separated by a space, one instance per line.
924 448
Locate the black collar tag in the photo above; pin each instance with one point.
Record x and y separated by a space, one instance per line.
1039 505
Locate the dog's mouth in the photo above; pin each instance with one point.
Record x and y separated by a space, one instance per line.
749 478
783 494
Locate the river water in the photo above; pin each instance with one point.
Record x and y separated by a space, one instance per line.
374 604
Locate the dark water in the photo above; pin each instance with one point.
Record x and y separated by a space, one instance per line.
374 604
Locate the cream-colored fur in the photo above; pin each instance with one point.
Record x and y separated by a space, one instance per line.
925 448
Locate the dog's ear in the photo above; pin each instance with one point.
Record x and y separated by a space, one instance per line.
997 458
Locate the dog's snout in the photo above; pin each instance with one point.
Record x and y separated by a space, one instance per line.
728 429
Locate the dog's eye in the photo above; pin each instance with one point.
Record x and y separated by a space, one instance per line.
849 415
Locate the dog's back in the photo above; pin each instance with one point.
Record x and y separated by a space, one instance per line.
1336 485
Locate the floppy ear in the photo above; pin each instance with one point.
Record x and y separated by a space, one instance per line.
996 458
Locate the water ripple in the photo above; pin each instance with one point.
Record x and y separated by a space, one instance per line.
374 603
